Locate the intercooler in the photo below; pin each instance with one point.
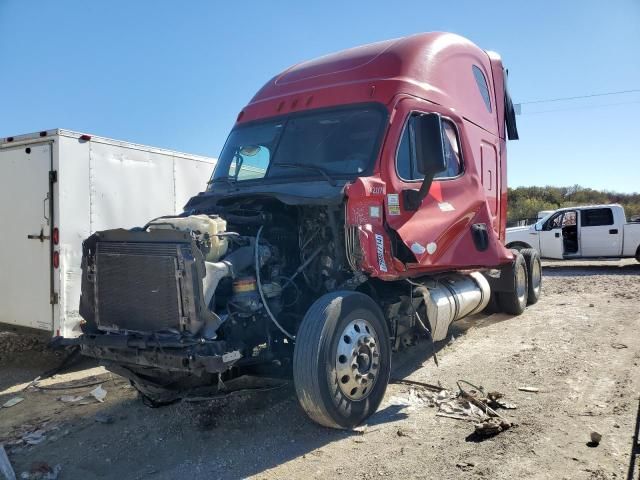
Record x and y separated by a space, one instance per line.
139 286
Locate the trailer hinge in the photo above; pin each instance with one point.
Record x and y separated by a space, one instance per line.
53 176
54 298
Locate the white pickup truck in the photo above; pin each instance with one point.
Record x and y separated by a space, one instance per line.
591 231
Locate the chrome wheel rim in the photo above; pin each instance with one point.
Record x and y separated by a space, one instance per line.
536 276
357 359
521 283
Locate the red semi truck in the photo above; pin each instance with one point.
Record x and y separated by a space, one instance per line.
359 201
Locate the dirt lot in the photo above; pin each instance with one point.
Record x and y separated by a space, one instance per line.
579 346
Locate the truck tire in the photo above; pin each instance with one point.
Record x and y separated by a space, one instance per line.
342 359
534 274
493 306
514 301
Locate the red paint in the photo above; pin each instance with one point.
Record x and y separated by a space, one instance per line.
429 72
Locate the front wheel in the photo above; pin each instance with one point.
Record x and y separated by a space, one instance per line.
342 359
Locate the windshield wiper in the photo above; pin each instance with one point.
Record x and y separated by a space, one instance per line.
315 168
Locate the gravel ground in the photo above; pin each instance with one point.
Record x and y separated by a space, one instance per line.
578 346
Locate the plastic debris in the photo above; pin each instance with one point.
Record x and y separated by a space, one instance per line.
12 401
34 438
99 393
529 389
619 346
5 466
71 398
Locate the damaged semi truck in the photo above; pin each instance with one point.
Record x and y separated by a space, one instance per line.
359 201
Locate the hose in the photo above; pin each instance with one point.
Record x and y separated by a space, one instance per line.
259 284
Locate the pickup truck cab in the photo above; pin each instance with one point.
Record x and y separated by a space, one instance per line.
591 231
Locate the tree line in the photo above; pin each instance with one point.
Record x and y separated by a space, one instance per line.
526 202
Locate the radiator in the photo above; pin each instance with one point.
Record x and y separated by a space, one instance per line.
138 286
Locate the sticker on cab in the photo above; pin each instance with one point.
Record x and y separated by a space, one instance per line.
393 204
380 251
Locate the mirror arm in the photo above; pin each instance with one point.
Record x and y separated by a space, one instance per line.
413 198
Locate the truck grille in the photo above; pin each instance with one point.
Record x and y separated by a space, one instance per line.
137 287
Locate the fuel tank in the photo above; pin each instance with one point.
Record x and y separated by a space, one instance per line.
451 297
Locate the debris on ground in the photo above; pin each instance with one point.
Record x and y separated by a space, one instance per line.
491 427
618 346
529 389
42 471
98 393
12 401
5 466
104 418
71 398
465 466
596 438
495 400
466 405
34 438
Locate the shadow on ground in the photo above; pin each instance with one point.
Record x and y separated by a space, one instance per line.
226 438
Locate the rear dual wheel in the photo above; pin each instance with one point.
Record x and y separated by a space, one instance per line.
342 359
534 274
514 301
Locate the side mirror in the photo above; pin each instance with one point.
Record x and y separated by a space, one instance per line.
427 137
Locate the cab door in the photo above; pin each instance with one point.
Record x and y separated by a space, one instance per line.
599 235
452 227
551 242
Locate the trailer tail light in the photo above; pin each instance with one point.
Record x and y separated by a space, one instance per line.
56 259
55 236
85 137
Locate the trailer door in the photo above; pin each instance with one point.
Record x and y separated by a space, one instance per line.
25 255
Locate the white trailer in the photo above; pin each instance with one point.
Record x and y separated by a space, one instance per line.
56 188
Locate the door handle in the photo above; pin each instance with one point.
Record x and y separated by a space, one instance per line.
44 208
613 231
557 234
42 237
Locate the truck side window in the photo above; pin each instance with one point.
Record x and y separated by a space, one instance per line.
554 222
406 162
595 217
481 81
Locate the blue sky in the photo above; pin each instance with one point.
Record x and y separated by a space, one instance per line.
175 74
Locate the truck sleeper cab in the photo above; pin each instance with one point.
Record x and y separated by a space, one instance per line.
359 202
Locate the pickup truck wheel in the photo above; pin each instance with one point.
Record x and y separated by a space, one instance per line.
342 359
534 274
515 301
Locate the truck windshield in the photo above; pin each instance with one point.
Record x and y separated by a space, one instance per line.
327 144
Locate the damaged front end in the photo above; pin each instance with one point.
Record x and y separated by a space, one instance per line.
187 301
146 296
